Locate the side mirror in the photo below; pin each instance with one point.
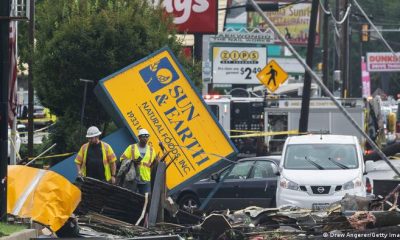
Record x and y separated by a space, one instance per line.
275 170
215 177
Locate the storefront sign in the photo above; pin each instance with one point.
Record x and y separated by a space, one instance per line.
383 62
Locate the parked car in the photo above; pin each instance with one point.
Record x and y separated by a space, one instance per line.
39 111
317 170
380 170
249 182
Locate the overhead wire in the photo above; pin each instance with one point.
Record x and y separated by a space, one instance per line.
289 4
338 22
323 8
335 23
338 53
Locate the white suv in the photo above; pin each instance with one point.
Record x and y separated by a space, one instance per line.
317 170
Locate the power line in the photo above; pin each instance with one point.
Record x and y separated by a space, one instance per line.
289 4
338 22
323 8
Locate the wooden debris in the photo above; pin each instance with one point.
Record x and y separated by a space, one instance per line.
110 200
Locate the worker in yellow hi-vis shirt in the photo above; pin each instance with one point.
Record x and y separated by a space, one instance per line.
96 159
143 156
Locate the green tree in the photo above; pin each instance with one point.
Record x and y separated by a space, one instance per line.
92 39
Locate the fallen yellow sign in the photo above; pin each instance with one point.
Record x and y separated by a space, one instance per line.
44 196
156 94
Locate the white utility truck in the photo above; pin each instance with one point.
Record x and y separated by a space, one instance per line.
243 115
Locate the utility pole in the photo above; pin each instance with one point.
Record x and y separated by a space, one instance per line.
4 79
347 67
337 47
198 52
305 103
86 81
325 43
31 38
344 49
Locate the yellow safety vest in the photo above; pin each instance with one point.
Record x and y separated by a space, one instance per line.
108 158
144 165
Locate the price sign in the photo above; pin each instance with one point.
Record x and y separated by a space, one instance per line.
249 71
238 65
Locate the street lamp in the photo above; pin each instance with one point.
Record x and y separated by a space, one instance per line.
86 81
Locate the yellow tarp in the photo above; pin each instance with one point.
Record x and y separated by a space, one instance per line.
42 195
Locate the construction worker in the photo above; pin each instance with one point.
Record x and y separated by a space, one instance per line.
144 156
96 159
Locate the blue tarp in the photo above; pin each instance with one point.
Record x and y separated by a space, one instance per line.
118 140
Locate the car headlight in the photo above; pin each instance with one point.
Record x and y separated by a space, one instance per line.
285 183
352 184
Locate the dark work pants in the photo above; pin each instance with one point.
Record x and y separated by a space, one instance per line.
143 187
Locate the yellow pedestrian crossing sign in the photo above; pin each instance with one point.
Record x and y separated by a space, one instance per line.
272 76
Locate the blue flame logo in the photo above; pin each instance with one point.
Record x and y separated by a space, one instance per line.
159 74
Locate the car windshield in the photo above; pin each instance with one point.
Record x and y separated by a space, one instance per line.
321 156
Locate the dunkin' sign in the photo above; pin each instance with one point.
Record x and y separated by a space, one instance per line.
383 62
193 16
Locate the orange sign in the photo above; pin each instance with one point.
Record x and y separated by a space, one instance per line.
272 76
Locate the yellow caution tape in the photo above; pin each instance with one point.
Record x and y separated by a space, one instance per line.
263 134
244 131
53 156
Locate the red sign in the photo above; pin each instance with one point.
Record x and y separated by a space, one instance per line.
194 16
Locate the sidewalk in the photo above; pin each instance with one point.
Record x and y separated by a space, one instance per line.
25 234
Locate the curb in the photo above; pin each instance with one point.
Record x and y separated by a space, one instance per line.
25 234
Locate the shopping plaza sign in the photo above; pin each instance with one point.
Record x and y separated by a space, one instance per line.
155 93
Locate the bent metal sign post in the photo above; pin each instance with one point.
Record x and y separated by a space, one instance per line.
155 94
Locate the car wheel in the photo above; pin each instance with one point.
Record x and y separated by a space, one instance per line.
189 203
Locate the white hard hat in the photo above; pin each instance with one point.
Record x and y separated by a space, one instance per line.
93 131
143 132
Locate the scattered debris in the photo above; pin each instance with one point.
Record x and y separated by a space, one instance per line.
123 204
359 220
117 215
110 200
215 225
